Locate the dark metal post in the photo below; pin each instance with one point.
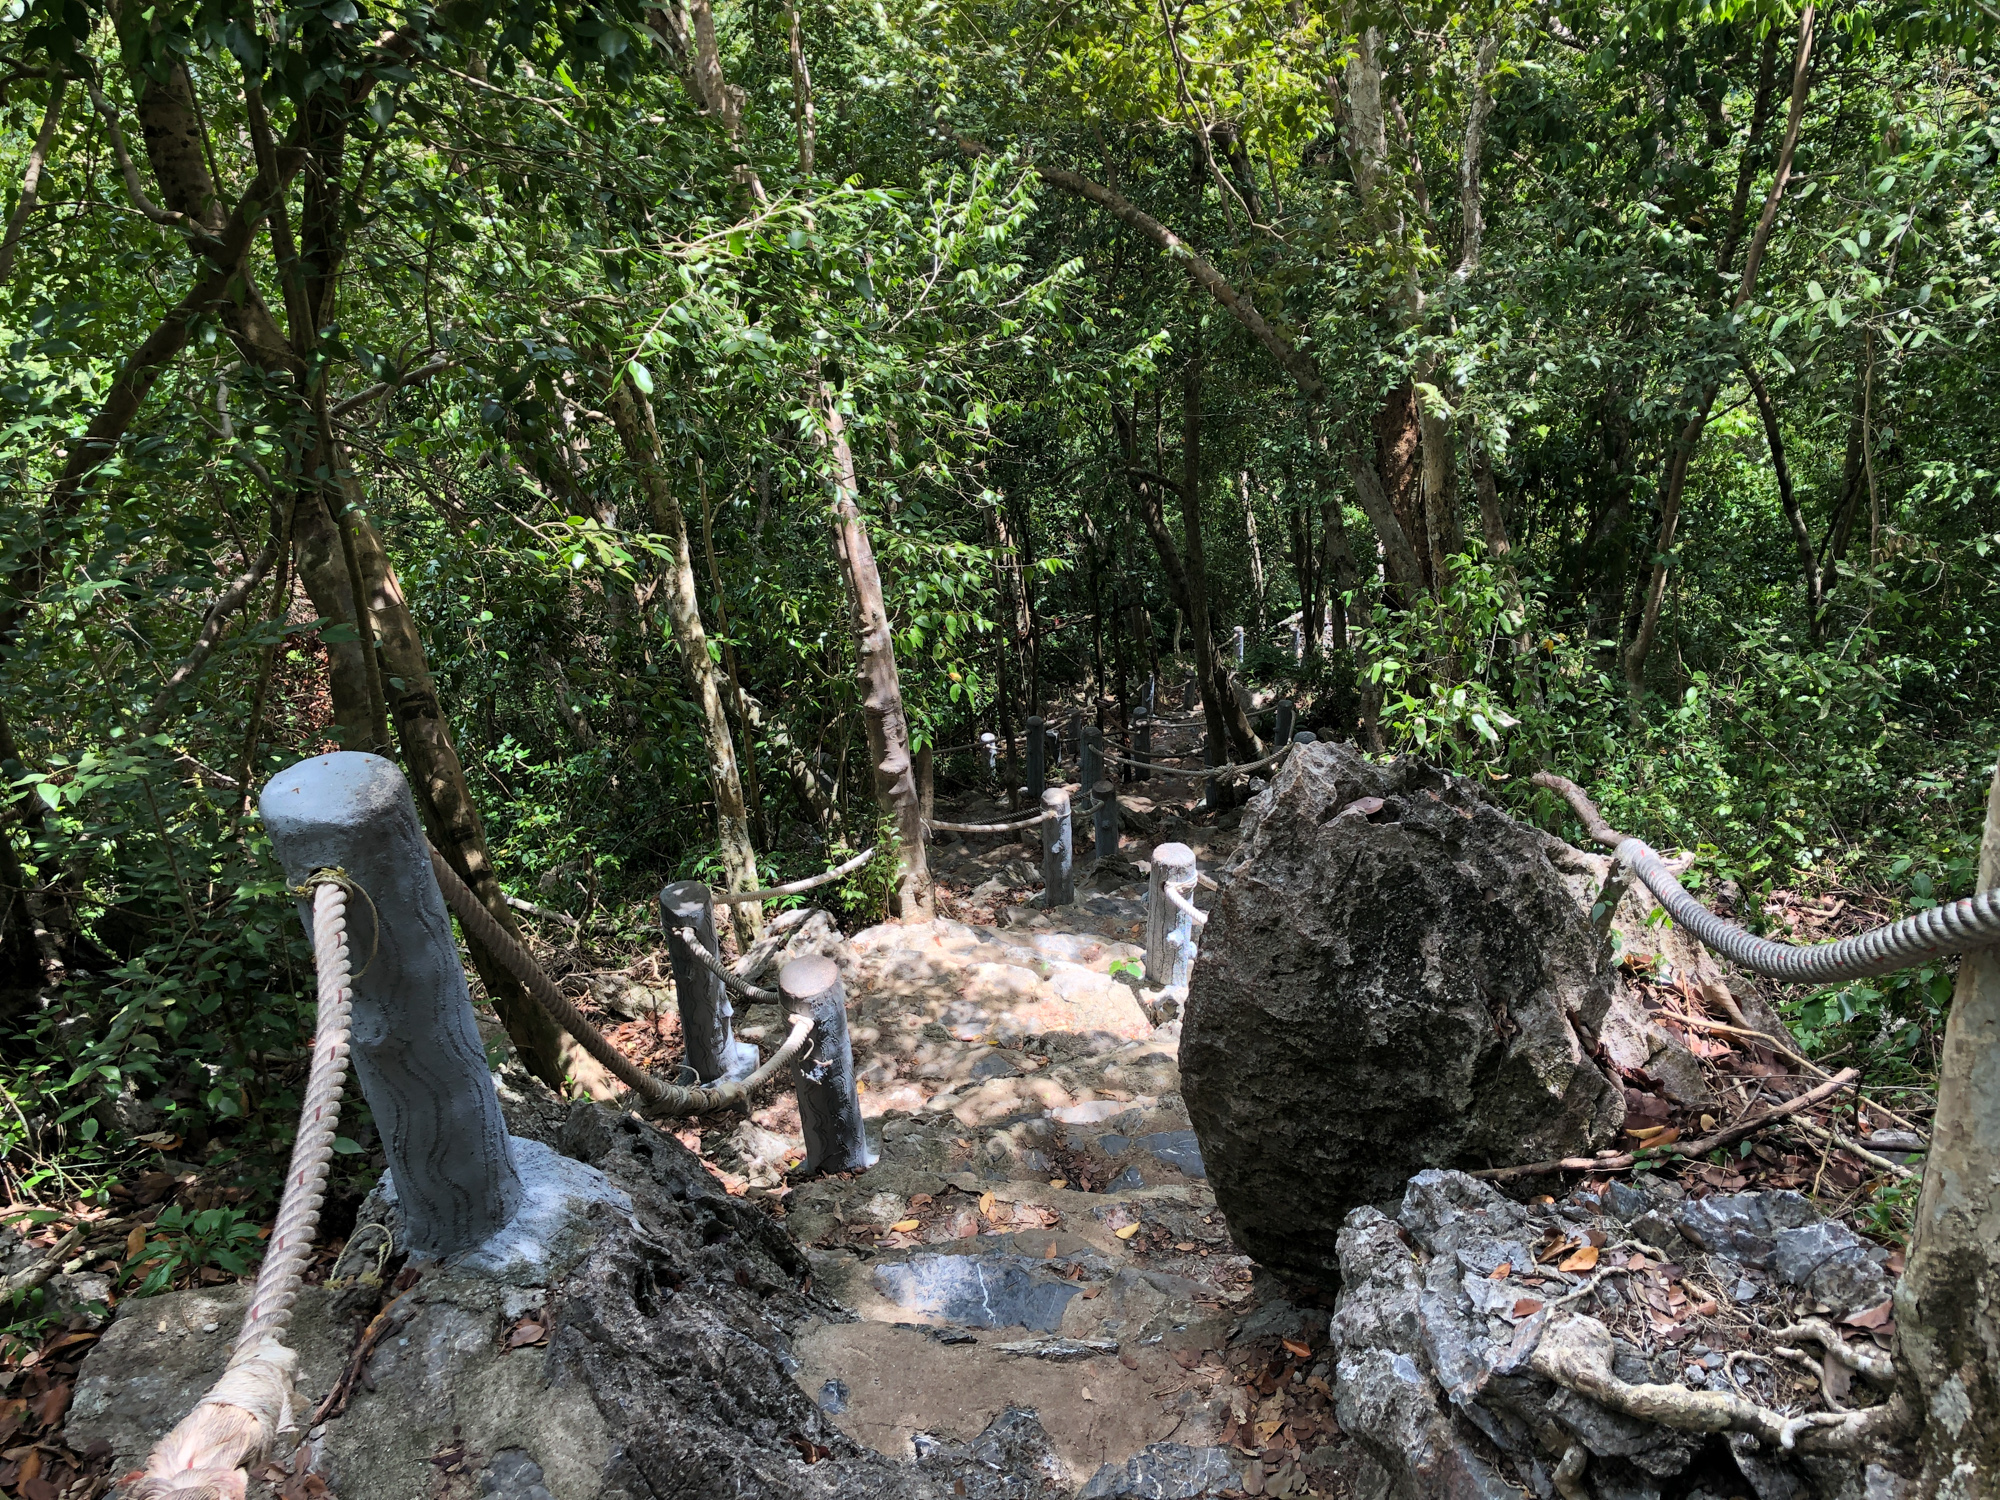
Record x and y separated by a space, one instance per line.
1057 887
1170 942
1090 756
1104 820
415 1046
1287 712
829 1109
707 1031
1305 737
1038 745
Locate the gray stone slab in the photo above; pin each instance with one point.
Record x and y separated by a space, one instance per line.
976 1291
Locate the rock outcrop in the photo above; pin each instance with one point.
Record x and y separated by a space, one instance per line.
1395 977
1443 1304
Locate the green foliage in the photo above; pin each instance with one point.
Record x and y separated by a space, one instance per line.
183 1243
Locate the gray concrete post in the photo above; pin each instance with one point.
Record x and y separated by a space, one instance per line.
415 1046
1090 756
829 1109
1037 747
708 1033
1057 887
1170 941
1142 747
1239 645
1152 694
1298 643
1287 713
1305 737
989 748
1104 820
1190 695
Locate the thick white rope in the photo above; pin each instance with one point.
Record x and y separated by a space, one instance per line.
233 1427
1179 898
735 983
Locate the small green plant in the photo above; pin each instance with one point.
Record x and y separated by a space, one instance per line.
189 1242
1128 968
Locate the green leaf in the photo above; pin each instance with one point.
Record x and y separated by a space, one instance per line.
641 377
345 1147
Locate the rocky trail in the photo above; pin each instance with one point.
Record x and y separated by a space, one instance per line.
1033 1292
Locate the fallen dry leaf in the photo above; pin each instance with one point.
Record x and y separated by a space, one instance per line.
1050 1253
1583 1260
904 1226
1185 1246
1058 1182
1527 1307
1703 1309
1501 1272
1292 1346
1871 1317
1707 1123
135 1242
986 1204
1127 1232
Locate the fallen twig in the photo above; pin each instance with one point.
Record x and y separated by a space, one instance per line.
1727 1135
1853 1147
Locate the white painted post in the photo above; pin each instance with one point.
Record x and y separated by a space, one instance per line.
708 1035
1239 645
1170 942
1104 820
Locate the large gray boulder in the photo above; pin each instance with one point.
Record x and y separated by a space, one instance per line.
1394 977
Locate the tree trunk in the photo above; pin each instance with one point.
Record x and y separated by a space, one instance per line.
875 671
31 178
1256 551
632 415
1774 439
1399 462
1227 723
802 98
1948 1301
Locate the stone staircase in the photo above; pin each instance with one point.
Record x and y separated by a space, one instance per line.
1038 1232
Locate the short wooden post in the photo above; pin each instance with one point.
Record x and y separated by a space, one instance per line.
1104 820
416 1048
1287 712
989 748
829 1109
1057 887
708 1037
1090 756
1191 694
1170 942
1038 745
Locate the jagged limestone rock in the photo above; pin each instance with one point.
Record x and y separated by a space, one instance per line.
1394 977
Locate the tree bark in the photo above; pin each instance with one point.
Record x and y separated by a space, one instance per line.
1256 551
802 97
1948 1301
875 670
632 415
215 619
1227 723
1774 439
31 178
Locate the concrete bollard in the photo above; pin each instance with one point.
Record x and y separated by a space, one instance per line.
1239 645
708 1035
829 1109
1104 820
1305 737
1037 747
416 1048
1090 756
1152 693
1170 943
989 747
1057 887
1287 713
1298 644
1190 695
1142 750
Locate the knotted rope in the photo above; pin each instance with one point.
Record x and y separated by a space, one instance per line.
232 1428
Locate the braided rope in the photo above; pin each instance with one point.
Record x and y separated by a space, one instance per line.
793 888
1179 898
1220 773
734 982
234 1425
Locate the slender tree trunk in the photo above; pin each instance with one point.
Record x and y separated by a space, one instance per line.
802 97
1853 485
1948 1301
1690 438
632 415
1774 439
1256 551
875 670
1227 723
31 179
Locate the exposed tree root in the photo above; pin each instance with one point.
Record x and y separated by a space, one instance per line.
1576 1354
1876 1367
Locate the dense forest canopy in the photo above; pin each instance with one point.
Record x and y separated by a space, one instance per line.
674 433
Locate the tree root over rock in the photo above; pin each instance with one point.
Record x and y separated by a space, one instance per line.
1576 1354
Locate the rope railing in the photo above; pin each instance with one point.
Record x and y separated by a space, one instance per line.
660 1096
732 981
797 887
1971 923
1179 897
233 1427
1221 773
